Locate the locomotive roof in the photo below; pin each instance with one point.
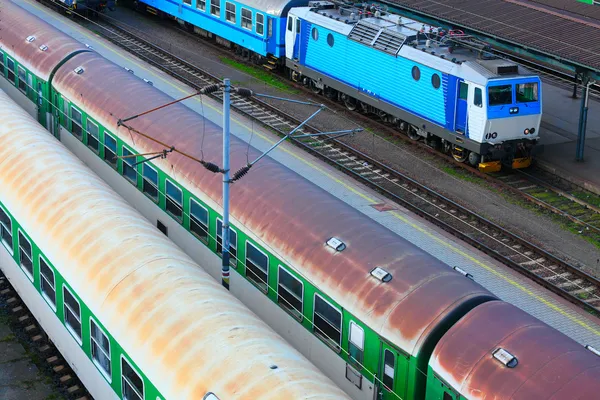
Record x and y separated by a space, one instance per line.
188 334
549 365
23 36
288 212
273 7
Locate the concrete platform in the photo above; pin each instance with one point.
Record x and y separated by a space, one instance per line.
558 134
502 281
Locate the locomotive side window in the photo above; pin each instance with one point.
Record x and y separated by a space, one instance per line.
198 220
246 19
76 122
435 81
110 150
416 73
6 231
330 39
290 293
527 92
10 66
150 182
230 12
174 200
257 266
93 131
260 24
290 24
201 5
478 98
315 34
132 383
215 8
232 242
464 91
389 362
327 322
25 256
72 313
129 171
47 283
500 95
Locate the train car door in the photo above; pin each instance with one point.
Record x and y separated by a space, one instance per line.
393 372
292 37
460 120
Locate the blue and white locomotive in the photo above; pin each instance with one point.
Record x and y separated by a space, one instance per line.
431 84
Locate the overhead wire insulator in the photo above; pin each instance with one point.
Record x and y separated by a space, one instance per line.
211 167
210 89
244 92
241 172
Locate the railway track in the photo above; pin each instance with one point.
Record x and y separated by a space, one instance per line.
30 333
544 268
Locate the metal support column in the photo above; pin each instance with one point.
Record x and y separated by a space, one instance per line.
586 83
574 95
225 232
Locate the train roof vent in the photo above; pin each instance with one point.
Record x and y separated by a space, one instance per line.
210 396
381 274
505 358
79 70
336 244
43 47
389 41
363 32
499 66
30 38
592 349
462 272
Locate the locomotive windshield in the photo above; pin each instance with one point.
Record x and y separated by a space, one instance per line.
527 92
499 95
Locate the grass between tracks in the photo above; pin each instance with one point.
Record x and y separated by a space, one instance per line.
260 74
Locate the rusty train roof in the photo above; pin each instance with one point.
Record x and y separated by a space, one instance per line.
292 215
549 364
521 22
187 333
23 37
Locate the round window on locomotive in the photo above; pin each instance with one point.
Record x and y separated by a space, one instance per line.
435 81
315 34
330 40
416 73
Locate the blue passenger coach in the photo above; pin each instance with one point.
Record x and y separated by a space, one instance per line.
257 27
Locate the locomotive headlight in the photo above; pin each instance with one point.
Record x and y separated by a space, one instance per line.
532 131
526 131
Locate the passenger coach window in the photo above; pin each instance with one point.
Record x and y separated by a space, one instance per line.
527 92
232 242
356 343
47 283
290 293
10 65
230 12
72 313
499 95
260 24
257 266
76 122
129 171
133 386
187 2
150 184
198 220
92 130
246 18
174 200
201 5
110 150
327 322
100 349
25 256
6 231
478 99
2 63
215 8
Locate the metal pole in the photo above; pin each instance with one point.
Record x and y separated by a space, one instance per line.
225 232
583 119
574 95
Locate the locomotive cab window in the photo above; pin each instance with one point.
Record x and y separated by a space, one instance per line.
246 19
100 346
478 98
389 370
150 183
110 150
22 79
260 24
92 137
132 383
129 170
463 92
327 322
527 92
230 12
232 242
290 26
201 5
72 314
47 283
257 267
174 200
500 95
6 231
76 122
25 256
199 220
290 293
10 66
215 8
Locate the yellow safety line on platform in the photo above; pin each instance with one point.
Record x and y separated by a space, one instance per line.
402 218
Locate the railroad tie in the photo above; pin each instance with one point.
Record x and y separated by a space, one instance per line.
52 360
29 328
17 309
23 318
45 348
5 291
37 338
65 378
11 300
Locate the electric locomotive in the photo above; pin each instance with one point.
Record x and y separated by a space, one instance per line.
84 6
